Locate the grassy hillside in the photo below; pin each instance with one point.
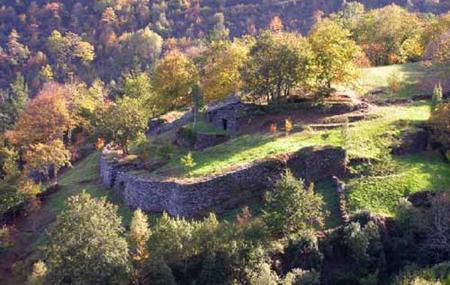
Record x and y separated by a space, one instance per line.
414 78
367 139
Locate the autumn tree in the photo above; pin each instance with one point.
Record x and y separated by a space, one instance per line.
87 245
37 276
278 62
17 51
291 209
440 124
47 158
390 35
220 73
45 119
138 238
219 31
69 50
335 54
142 47
123 122
174 76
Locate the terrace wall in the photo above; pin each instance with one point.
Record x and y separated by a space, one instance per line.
220 192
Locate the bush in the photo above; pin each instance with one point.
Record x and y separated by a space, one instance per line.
291 209
394 82
440 124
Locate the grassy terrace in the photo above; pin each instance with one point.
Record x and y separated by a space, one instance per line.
367 139
380 194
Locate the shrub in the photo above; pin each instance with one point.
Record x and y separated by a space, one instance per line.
291 209
394 82
440 124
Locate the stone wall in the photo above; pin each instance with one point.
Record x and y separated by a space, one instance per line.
221 192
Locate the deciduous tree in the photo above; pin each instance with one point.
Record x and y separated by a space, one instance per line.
278 62
220 75
290 209
87 245
174 76
47 157
336 54
123 122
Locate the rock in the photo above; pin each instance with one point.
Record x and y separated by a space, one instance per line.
421 199
412 142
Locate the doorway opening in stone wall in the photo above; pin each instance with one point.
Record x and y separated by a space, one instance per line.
224 124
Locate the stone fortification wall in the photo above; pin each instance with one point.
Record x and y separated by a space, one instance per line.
220 192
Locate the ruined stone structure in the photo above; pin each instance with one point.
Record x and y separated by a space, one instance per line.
224 115
227 114
220 192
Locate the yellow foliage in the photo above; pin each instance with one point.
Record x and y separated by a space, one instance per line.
288 125
222 76
174 76
28 187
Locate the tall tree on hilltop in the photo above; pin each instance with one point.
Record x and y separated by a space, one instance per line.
174 76
335 54
278 62
220 76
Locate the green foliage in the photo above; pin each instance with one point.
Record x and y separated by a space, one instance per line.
358 239
188 161
291 209
435 275
87 244
158 273
123 122
277 63
263 275
335 52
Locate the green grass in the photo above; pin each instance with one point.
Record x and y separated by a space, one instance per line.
410 75
380 194
205 128
85 176
367 139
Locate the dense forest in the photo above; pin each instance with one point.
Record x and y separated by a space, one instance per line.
107 38
135 85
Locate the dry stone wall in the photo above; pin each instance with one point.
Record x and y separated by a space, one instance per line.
222 192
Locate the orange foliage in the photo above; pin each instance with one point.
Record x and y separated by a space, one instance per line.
45 119
273 128
288 126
